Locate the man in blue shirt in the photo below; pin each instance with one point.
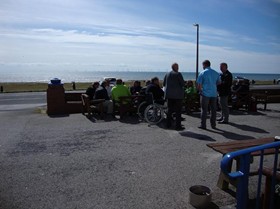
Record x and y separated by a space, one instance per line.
207 82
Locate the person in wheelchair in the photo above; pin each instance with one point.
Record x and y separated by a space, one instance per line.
240 93
156 91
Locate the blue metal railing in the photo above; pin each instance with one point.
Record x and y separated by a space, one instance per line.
242 174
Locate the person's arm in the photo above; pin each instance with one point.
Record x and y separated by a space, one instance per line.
113 94
199 87
219 81
128 92
181 80
199 83
164 81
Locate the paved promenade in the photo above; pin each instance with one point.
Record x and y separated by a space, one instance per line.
71 162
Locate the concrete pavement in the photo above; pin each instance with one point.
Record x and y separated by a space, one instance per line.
69 162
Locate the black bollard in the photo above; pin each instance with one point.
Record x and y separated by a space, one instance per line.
74 85
2 89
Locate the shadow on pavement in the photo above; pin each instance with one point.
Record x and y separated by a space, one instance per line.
196 136
248 128
230 135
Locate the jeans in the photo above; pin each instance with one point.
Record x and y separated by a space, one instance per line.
174 105
224 107
205 102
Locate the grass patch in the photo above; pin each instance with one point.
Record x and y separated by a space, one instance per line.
41 87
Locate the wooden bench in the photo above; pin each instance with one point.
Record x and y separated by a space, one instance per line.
91 106
266 96
231 146
73 102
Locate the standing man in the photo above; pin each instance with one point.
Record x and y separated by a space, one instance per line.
224 90
207 82
174 93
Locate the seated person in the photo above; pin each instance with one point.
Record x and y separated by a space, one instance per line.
91 90
190 96
119 90
143 89
109 88
240 93
101 93
190 89
156 91
136 88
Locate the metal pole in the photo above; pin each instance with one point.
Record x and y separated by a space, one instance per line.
197 47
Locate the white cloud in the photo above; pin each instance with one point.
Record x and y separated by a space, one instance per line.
71 48
99 33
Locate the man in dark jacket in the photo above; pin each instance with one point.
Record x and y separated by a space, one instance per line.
224 90
101 93
156 91
91 90
174 93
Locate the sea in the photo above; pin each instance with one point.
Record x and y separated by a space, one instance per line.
91 76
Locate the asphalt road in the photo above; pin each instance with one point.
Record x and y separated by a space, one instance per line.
19 101
71 162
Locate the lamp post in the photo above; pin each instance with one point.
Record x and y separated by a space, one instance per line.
197 45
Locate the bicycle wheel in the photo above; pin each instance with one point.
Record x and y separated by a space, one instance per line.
141 109
153 114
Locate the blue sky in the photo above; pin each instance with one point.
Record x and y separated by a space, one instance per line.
140 35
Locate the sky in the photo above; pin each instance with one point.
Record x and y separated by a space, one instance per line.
139 35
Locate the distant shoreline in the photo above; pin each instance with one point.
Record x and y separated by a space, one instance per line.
91 76
13 87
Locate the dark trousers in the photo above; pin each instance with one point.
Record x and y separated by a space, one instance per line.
174 105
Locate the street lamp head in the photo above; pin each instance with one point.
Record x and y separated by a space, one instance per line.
195 24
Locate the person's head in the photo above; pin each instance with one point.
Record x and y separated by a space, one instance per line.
148 82
189 83
107 81
119 81
175 67
104 84
223 67
136 83
155 80
95 85
206 64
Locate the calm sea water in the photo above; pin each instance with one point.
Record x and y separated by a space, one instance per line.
90 76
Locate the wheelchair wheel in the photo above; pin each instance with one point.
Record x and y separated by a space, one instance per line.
141 110
153 114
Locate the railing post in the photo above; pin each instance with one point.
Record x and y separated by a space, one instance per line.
242 184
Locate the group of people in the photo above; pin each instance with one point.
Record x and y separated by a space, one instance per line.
111 94
210 84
